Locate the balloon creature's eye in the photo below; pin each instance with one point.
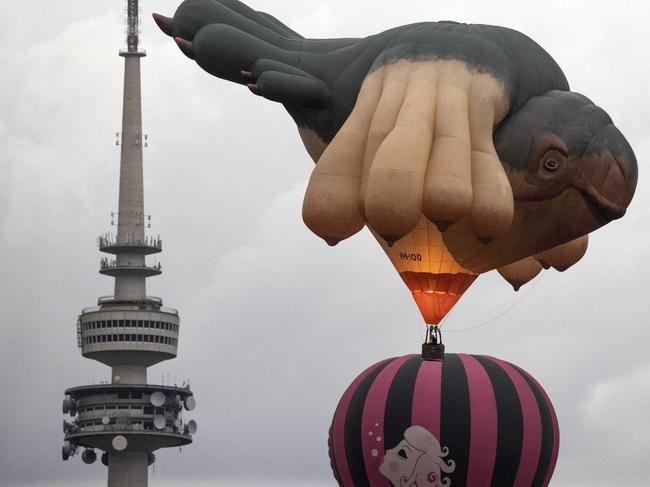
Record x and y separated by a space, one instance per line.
551 164
402 453
552 161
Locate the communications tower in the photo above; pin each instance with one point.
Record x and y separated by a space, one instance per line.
125 417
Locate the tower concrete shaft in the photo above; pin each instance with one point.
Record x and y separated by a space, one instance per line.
128 469
129 331
131 218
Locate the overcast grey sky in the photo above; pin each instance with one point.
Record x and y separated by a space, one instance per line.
275 324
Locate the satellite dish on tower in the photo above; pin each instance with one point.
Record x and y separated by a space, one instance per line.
189 403
158 399
105 459
68 427
119 443
69 406
106 420
191 427
89 456
159 421
66 450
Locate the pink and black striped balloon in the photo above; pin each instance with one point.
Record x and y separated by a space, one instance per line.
471 420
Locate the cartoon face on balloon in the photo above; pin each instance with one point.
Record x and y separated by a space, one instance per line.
417 461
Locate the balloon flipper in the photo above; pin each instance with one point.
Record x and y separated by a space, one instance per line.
565 255
331 241
185 46
520 272
391 239
442 225
164 23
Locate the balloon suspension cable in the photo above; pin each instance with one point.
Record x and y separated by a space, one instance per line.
432 348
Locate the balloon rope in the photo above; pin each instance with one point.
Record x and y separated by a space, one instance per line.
513 306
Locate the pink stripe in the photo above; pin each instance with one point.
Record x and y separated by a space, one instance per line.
483 424
556 430
532 432
426 397
556 441
338 432
372 422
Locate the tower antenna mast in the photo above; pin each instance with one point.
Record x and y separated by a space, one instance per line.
132 25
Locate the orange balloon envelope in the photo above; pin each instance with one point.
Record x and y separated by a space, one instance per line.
431 273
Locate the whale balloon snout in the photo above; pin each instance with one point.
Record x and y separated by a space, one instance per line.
611 173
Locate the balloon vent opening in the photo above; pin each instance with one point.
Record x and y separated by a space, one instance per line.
433 348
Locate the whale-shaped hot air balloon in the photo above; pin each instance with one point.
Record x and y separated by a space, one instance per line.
469 131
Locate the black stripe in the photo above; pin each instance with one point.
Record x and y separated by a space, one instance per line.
547 431
455 416
510 424
353 435
399 403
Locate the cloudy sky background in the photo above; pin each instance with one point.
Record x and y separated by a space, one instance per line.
275 324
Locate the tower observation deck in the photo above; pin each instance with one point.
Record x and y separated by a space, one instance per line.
129 331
